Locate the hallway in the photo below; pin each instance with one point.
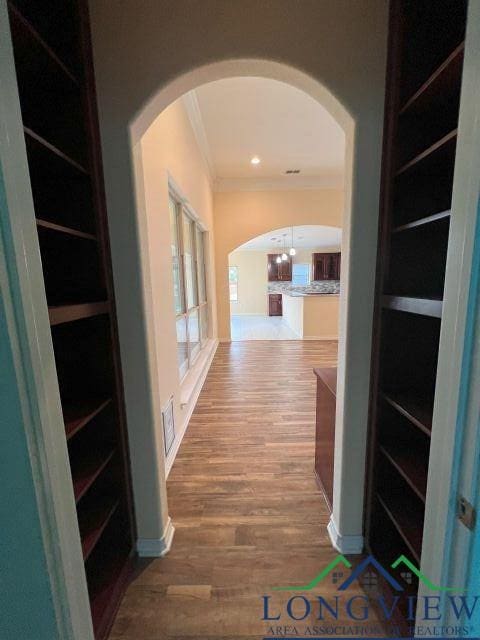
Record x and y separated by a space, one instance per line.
243 498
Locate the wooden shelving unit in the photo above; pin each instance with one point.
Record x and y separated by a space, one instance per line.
422 306
57 96
423 96
414 408
72 312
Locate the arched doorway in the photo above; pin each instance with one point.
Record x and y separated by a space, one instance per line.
278 290
131 266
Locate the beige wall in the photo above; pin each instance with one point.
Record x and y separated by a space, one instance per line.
168 152
243 215
336 52
252 282
320 317
312 317
253 277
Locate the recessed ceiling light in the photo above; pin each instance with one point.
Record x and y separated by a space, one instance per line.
255 160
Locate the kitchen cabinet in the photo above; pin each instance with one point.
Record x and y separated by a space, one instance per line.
325 429
326 266
279 271
275 307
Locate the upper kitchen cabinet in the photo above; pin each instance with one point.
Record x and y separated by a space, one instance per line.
326 266
279 271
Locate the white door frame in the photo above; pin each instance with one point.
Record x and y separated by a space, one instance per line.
457 380
23 292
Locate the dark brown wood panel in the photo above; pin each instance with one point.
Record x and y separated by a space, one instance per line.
421 115
275 304
325 429
326 266
279 271
54 69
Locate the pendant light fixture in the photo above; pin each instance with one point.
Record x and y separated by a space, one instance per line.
284 254
292 251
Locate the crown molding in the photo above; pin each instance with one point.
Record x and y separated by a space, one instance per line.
281 183
192 108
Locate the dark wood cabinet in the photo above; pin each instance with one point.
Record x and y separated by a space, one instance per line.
279 271
421 113
326 266
325 429
275 307
54 69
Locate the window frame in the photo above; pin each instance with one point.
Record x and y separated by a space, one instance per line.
196 231
309 273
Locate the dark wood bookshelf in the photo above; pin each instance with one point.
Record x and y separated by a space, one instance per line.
413 407
421 306
433 153
440 85
59 228
405 462
79 414
53 149
436 217
94 523
88 471
53 62
424 75
72 312
407 523
18 21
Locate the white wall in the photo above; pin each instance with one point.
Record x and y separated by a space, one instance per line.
334 51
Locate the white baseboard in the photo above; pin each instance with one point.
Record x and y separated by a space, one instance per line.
156 547
348 545
190 402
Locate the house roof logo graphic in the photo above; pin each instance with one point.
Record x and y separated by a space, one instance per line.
367 565
370 563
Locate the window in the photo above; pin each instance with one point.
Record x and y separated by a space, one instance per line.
189 284
233 283
176 259
301 274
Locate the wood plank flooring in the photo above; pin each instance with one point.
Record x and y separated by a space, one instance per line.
243 498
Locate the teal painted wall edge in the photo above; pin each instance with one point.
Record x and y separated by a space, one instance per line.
26 604
474 556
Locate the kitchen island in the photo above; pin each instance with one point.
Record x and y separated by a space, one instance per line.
311 316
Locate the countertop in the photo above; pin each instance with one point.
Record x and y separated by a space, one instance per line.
296 294
328 375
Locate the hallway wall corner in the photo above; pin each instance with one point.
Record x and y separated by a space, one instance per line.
348 544
157 547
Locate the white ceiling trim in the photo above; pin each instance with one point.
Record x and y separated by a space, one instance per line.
192 108
290 183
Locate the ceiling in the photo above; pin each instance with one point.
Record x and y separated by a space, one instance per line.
304 237
238 118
